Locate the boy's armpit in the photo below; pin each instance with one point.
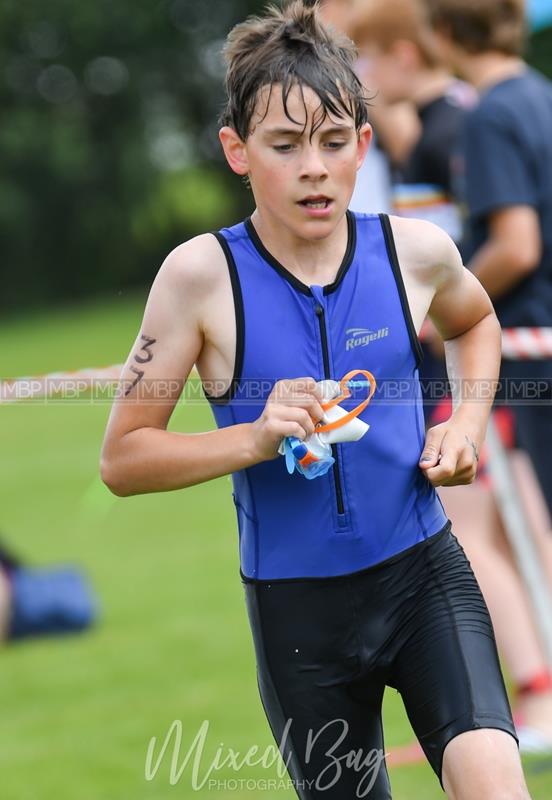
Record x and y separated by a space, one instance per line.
424 253
437 282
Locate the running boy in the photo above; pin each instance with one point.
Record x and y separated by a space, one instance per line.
353 580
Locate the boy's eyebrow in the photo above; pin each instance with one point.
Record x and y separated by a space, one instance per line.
339 129
283 132
299 131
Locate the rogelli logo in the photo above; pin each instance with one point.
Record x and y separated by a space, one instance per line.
360 337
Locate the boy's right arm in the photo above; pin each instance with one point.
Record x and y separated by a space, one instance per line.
139 455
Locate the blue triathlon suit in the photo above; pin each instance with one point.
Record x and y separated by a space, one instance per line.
353 580
376 502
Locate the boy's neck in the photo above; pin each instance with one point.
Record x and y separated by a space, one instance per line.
315 262
485 70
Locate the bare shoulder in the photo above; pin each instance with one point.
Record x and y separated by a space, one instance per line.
425 252
187 286
195 266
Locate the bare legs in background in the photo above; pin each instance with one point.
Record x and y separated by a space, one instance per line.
478 526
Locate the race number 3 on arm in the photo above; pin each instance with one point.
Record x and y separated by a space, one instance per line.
189 319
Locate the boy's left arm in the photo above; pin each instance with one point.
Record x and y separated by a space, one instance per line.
464 316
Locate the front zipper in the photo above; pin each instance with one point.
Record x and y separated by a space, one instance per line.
325 355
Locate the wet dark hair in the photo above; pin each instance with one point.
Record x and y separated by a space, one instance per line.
290 47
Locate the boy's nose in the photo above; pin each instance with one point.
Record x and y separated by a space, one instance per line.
312 164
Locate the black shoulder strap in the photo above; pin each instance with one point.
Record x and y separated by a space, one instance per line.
240 324
394 261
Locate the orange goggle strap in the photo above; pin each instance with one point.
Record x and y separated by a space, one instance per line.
345 394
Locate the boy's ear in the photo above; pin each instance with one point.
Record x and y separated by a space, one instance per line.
364 139
234 150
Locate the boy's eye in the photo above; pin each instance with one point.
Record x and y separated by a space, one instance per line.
287 148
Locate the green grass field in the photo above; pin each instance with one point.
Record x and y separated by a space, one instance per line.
77 714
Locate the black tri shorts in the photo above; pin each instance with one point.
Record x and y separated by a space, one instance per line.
326 648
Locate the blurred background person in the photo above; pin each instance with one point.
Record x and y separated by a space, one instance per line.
372 193
46 600
337 13
506 181
399 56
4 605
505 176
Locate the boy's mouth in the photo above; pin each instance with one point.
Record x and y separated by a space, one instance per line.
318 201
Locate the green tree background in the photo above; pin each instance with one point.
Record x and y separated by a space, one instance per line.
108 140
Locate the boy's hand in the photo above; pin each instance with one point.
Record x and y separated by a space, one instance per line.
292 409
450 455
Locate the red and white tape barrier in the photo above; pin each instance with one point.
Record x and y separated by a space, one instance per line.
518 344
526 343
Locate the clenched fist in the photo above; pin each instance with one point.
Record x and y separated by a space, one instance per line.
292 409
450 455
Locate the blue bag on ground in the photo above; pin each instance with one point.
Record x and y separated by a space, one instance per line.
50 601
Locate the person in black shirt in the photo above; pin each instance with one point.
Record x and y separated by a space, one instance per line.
399 61
506 174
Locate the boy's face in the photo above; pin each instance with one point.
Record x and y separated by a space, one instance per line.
299 181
